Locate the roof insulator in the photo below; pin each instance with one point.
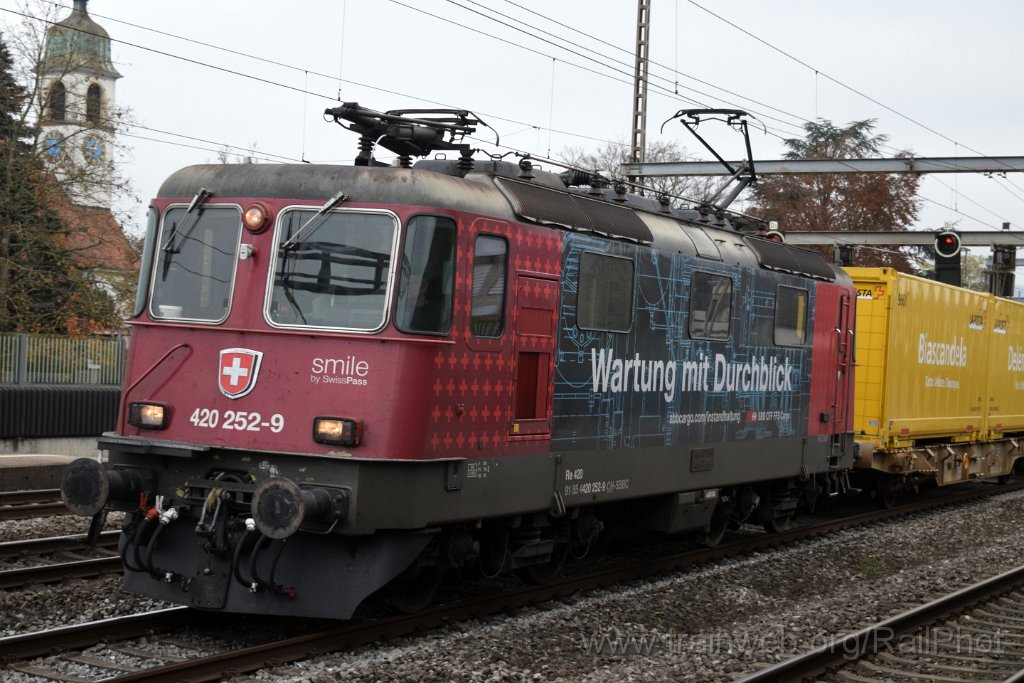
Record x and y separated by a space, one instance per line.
664 203
526 169
620 192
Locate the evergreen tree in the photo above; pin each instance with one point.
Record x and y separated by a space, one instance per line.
41 289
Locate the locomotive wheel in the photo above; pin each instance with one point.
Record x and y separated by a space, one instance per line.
540 574
772 519
414 589
777 523
716 527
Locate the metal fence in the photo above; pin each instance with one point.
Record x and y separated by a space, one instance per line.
52 359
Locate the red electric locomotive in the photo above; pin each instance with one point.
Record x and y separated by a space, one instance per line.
349 378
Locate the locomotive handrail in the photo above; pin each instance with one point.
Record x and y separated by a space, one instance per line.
124 394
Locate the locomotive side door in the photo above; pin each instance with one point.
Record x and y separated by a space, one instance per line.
535 310
844 364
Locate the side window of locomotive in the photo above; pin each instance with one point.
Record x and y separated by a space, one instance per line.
427 279
336 274
195 269
710 306
487 313
146 270
790 316
605 300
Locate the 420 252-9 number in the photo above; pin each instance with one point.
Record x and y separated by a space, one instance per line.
239 420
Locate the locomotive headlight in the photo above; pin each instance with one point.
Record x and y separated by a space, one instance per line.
337 430
148 415
256 218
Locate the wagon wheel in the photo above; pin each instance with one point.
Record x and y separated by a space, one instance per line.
885 492
1003 479
414 588
540 574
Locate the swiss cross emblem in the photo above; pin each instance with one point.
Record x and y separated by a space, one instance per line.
238 371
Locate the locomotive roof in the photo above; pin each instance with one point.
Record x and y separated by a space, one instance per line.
494 189
317 182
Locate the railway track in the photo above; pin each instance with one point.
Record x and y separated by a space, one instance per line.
29 504
975 634
59 548
200 665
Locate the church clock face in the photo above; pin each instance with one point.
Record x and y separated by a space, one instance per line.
53 144
94 149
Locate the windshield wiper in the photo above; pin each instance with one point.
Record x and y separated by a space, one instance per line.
314 220
200 197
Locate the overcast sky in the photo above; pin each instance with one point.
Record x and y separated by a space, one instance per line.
942 78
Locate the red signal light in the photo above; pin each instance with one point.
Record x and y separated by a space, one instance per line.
947 244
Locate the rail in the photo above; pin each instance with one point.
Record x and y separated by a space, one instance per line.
28 504
54 544
216 666
855 646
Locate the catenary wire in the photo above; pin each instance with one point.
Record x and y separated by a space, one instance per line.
306 91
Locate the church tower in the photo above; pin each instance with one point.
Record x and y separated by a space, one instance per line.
79 85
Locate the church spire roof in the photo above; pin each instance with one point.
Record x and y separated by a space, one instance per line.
78 42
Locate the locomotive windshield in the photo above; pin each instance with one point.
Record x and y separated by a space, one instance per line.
337 275
196 264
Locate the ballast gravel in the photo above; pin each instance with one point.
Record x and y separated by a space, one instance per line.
715 623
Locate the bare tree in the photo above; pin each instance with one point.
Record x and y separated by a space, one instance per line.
608 159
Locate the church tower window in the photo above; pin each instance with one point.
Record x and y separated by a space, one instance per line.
93 100
58 102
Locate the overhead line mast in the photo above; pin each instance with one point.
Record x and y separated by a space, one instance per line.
639 140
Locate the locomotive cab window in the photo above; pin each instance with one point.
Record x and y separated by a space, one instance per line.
790 316
606 287
427 279
196 258
332 270
710 306
487 313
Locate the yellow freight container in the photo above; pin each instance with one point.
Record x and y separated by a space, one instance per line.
1006 369
921 360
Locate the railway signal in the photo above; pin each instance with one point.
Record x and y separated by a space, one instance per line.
773 234
842 254
1004 265
947 257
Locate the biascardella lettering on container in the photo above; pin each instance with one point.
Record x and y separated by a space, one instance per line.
950 353
346 370
718 373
